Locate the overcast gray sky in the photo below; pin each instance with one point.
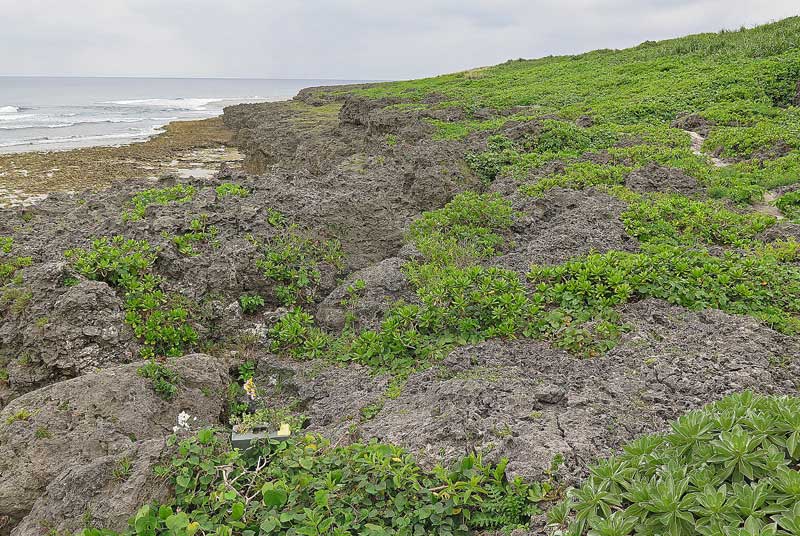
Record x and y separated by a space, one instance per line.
355 39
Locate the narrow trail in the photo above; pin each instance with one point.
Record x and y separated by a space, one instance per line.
764 206
697 148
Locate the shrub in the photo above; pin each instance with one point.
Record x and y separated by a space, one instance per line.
230 189
578 176
163 379
179 193
307 486
199 231
729 468
157 320
761 283
488 164
789 205
467 228
677 219
251 304
293 260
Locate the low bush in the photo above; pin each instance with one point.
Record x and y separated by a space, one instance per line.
293 260
307 486
469 227
789 205
761 283
159 320
675 219
180 193
730 468
231 189
250 304
199 231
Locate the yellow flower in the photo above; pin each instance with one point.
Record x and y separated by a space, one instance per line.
250 389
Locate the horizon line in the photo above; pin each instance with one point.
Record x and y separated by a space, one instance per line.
304 77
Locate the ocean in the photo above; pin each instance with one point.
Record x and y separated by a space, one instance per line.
59 113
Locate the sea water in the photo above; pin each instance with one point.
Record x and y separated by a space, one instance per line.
58 113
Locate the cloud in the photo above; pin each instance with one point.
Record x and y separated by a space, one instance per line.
338 38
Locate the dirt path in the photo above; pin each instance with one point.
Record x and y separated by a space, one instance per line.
697 148
765 206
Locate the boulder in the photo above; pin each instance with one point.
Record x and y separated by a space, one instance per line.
79 421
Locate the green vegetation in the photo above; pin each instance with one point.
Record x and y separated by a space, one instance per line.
293 261
579 122
789 205
744 83
199 231
675 219
159 320
308 486
20 415
228 188
469 227
164 380
250 304
10 264
729 468
761 284
179 193
123 469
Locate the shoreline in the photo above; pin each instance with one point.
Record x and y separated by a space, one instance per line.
184 148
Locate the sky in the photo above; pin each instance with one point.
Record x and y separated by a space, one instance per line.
345 39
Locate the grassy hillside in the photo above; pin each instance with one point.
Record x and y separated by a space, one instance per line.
744 83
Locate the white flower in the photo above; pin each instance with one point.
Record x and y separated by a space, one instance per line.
183 422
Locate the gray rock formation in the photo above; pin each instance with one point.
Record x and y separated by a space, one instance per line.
77 422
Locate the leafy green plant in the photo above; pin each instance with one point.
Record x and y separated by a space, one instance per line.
293 260
469 227
675 219
307 486
157 320
488 164
251 303
199 231
180 193
789 205
760 283
231 189
164 380
729 468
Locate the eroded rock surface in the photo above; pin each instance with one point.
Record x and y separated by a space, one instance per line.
655 178
563 224
77 422
529 402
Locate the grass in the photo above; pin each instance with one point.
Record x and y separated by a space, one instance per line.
743 82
